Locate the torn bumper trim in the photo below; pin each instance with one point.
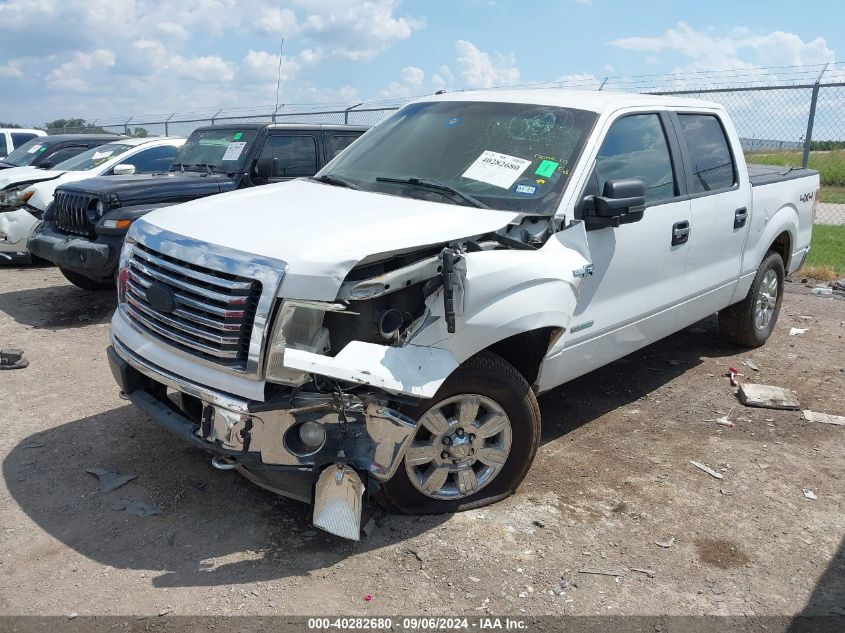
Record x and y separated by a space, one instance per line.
411 370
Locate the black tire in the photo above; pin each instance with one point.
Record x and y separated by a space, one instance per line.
490 376
86 283
737 322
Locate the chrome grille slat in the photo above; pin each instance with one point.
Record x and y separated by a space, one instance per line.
226 328
209 279
212 315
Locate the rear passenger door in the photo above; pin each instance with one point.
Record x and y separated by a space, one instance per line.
720 207
638 267
292 156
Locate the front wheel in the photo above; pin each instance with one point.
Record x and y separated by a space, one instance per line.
475 443
86 283
751 321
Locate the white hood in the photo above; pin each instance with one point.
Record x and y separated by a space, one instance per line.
16 175
320 231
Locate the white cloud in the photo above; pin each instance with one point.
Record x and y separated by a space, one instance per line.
738 49
443 78
73 76
11 70
409 84
481 70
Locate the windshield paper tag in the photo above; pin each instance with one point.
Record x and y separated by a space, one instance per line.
233 151
33 149
99 155
499 170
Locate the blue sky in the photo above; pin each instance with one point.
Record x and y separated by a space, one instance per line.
107 58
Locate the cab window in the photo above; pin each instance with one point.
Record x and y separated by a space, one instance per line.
293 156
712 164
636 147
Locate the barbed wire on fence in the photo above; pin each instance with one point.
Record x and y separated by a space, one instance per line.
785 115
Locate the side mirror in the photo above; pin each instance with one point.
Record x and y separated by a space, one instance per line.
621 202
46 164
123 169
265 168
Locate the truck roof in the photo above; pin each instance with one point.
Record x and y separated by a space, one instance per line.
62 138
287 126
592 100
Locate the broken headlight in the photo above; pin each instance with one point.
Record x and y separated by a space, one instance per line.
299 325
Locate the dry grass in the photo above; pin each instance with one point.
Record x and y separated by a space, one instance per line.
822 273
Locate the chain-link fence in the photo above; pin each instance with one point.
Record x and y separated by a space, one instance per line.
797 119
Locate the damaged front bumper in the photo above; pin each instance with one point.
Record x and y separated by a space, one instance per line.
262 439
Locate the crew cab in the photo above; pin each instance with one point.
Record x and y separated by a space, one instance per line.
391 329
83 232
120 157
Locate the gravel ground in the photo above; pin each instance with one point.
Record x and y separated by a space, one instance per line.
612 491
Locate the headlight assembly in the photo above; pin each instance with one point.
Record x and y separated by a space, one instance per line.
299 325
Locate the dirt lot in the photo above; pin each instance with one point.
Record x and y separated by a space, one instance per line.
611 480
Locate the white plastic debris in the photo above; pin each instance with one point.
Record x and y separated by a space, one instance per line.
812 416
795 331
809 494
707 469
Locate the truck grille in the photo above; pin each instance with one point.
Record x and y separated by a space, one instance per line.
211 315
71 213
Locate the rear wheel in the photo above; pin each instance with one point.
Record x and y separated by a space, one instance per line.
475 443
751 321
86 283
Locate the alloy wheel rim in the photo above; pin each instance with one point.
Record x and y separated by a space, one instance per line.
767 299
461 445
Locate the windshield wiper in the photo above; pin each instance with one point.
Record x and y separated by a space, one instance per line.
208 167
337 181
436 185
179 166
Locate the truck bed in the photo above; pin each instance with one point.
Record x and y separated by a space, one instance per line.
769 174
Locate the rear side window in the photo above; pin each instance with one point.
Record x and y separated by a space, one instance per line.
712 163
292 156
4 150
19 138
153 160
339 142
636 147
62 154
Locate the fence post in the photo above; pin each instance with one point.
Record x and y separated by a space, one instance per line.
604 81
215 116
275 110
808 139
167 124
126 125
346 112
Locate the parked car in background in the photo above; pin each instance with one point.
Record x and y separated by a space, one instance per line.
123 157
12 138
46 151
391 327
15 180
83 232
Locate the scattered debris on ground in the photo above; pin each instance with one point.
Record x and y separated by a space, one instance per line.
603 572
821 290
809 494
767 397
137 507
110 479
751 364
12 359
795 331
666 544
826 418
707 469
732 373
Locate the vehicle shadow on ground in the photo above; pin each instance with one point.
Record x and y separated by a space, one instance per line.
218 529
215 527
827 598
58 307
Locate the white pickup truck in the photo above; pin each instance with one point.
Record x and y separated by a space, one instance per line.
387 324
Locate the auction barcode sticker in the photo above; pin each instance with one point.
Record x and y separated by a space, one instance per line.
499 170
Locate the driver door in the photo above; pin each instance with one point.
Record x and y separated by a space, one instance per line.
637 283
288 156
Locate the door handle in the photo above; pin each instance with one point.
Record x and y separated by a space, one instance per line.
740 217
680 233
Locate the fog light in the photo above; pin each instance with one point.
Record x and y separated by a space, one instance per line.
312 434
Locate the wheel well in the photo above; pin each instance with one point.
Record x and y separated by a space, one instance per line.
783 247
525 351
